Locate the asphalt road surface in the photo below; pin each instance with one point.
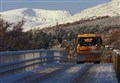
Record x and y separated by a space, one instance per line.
68 73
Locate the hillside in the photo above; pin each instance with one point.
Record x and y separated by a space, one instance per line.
100 24
61 36
107 27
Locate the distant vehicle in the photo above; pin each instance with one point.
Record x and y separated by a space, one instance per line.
109 47
88 48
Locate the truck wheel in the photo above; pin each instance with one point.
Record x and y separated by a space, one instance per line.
97 62
79 62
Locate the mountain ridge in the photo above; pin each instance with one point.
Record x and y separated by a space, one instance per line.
40 18
35 17
106 9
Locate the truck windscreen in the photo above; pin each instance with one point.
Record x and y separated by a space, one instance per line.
87 41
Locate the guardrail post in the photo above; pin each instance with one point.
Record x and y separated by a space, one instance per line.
13 72
116 63
34 60
63 57
40 59
119 66
50 56
24 62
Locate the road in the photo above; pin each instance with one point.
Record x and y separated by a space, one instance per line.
70 73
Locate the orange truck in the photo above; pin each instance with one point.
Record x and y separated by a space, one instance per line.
88 48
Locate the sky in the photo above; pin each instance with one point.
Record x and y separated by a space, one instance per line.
73 6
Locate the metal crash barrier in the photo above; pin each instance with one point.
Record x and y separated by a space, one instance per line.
13 62
116 62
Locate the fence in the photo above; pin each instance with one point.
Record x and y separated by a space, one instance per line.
22 61
116 62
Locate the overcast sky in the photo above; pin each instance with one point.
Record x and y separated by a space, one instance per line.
73 6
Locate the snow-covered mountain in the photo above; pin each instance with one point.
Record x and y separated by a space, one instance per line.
42 18
107 9
35 17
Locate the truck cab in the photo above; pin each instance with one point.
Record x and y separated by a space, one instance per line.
88 48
